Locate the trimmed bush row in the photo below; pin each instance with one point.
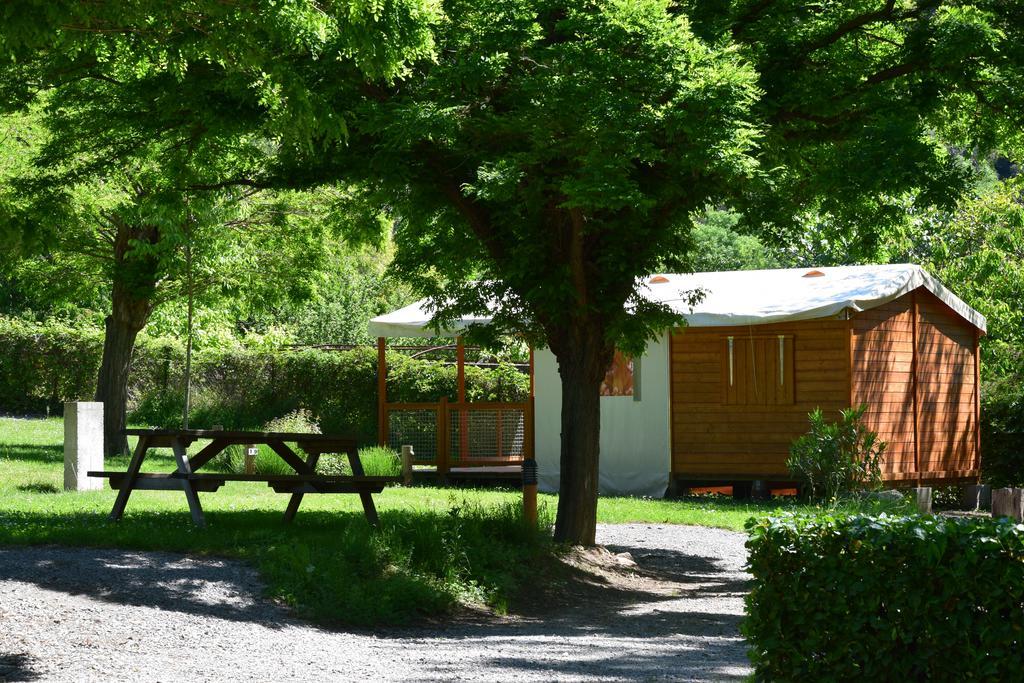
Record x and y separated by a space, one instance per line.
885 598
42 367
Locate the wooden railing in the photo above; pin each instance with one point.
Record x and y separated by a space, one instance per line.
450 434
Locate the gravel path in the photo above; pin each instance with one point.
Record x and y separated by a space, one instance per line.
87 614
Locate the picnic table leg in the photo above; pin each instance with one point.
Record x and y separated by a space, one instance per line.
132 475
369 509
296 499
190 492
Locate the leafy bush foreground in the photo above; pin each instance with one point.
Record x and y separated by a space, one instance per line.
836 458
885 598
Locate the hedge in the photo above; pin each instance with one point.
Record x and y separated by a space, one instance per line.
41 367
885 598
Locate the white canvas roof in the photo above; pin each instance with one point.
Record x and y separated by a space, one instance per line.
743 297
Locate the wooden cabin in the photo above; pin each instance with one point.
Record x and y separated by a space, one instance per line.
740 395
720 400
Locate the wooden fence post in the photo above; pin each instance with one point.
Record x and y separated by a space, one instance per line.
460 360
251 452
382 392
530 491
407 456
443 440
1007 503
924 499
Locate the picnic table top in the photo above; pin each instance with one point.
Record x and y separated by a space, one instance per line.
269 478
238 434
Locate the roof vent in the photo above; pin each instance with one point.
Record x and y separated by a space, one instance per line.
814 273
658 280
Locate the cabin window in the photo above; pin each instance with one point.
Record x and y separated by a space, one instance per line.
620 380
758 370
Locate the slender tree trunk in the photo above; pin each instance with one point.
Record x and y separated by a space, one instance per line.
581 365
188 333
112 384
131 305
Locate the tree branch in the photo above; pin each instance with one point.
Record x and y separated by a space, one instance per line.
234 182
850 26
750 16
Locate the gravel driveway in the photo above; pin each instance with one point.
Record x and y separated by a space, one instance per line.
87 614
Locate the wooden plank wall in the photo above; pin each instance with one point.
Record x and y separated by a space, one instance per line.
713 440
888 375
945 391
883 358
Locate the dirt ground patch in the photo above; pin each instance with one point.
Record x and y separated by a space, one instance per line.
661 602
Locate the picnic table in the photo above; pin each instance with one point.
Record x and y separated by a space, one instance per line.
188 479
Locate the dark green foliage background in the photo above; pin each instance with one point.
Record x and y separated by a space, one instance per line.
1002 430
43 366
885 598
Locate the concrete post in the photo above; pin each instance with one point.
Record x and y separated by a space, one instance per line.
923 496
976 497
1007 503
83 444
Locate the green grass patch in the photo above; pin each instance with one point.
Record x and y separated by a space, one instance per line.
437 547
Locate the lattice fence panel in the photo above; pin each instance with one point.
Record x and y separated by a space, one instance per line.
482 434
513 433
416 428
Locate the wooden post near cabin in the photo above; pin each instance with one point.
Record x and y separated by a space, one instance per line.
460 360
977 401
923 498
251 451
407 456
528 435
443 440
1008 503
530 491
913 384
382 393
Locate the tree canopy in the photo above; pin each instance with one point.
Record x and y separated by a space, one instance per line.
545 155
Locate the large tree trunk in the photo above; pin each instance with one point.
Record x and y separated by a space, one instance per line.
581 365
112 384
132 303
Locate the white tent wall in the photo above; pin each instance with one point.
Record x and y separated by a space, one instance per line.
635 448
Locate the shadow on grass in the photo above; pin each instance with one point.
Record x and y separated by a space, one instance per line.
330 566
38 488
32 452
17 667
202 586
156 460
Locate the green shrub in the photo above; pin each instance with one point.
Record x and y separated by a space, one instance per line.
419 563
1002 431
232 458
299 421
380 462
377 461
836 458
885 598
43 366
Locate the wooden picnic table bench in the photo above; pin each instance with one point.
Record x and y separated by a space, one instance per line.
186 478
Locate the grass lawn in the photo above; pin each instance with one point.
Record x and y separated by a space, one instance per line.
438 546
